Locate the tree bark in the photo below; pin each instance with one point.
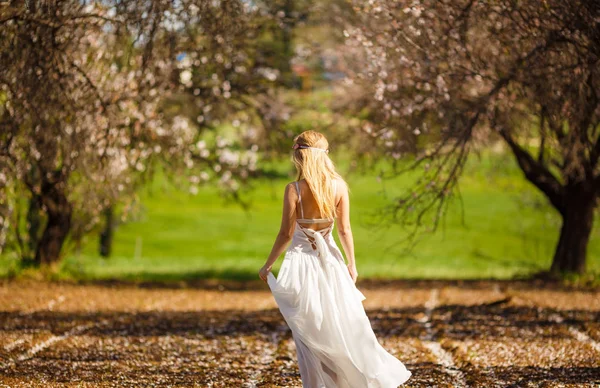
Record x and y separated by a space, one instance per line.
575 202
34 219
59 211
578 221
106 237
33 223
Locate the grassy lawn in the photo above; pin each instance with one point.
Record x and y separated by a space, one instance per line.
508 231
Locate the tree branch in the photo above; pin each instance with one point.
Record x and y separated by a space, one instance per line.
542 135
595 152
536 173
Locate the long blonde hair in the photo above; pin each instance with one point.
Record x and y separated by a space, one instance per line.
317 169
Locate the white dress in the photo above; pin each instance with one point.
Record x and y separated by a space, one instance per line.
335 343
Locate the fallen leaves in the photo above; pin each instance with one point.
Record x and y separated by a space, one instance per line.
128 337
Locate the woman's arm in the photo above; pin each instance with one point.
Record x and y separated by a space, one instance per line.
345 231
286 230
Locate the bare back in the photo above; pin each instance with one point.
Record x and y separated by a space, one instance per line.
307 208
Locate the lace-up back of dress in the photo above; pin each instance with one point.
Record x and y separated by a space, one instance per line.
325 231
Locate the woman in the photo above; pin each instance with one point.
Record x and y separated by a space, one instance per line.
315 291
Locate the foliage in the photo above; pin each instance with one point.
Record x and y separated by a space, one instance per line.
87 142
444 76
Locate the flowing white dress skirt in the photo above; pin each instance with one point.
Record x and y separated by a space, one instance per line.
335 343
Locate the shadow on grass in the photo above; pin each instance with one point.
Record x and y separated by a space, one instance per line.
248 281
231 279
241 279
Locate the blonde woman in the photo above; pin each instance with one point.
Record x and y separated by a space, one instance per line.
315 290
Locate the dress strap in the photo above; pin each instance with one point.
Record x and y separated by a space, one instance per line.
299 199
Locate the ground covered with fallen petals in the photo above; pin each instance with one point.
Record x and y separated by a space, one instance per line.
448 333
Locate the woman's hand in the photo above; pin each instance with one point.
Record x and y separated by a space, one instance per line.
353 272
264 272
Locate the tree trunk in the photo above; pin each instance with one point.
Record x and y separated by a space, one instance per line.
106 237
33 224
34 218
578 221
58 210
286 38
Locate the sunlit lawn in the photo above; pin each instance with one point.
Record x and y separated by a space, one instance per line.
507 231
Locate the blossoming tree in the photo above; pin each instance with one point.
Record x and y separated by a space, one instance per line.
82 91
447 73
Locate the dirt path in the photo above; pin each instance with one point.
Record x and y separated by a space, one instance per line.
471 334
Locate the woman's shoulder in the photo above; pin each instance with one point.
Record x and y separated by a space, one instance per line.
340 183
292 187
296 184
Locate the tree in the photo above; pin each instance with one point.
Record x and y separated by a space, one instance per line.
82 118
454 72
69 94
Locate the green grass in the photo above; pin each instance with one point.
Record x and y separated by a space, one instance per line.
508 231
